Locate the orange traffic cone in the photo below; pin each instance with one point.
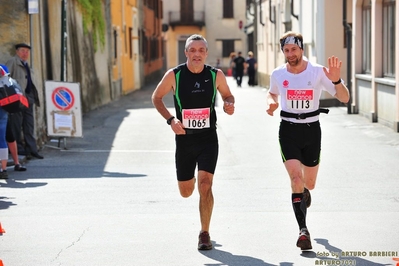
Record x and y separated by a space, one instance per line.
2 231
1 263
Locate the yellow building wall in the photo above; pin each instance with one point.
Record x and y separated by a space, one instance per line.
122 22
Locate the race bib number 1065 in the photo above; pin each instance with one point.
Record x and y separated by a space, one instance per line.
196 118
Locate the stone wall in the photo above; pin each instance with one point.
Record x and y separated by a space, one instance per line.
83 64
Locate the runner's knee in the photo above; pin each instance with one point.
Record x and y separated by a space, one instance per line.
186 188
310 186
205 184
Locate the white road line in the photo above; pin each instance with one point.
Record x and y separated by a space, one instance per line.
121 151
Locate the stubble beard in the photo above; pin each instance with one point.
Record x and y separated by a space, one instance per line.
294 63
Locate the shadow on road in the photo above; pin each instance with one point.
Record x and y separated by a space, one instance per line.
5 204
12 183
229 259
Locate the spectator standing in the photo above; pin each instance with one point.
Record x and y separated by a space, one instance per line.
3 126
21 72
251 66
233 69
12 144
218 63
239 63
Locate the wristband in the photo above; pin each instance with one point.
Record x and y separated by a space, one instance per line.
337 82
169 121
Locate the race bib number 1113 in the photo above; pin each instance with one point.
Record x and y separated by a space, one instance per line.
299 99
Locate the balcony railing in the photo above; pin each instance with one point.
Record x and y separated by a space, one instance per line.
179 18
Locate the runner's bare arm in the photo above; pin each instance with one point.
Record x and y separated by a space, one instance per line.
333 73
342 93
272 103
166 85
224 90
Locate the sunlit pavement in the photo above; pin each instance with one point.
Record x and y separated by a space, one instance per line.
111 197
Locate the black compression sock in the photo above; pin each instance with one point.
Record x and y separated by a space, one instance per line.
299 206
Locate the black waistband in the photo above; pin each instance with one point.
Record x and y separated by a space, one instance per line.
303 115
311 124
197 131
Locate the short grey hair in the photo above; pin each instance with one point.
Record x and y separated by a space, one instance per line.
195 37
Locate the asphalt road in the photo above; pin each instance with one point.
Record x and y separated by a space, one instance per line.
111 197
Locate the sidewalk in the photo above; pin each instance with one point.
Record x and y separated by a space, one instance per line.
21 158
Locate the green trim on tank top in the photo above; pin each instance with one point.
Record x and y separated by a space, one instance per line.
177 76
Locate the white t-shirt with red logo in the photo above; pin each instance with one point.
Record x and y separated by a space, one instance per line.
300 93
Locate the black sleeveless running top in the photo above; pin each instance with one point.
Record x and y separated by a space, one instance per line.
195 90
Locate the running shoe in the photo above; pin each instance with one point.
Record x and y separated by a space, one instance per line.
3 174
204 241
304 240
307 197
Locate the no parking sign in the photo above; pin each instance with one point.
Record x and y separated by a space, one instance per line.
63 98
63 108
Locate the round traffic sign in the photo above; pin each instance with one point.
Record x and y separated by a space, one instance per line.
63 98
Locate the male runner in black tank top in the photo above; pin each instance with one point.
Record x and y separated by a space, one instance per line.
194 86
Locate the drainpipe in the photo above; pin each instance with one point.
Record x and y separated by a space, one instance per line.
30 39
348 31
255 48
63 32
249 9
261 14
270 13
256 19
292 10
273 21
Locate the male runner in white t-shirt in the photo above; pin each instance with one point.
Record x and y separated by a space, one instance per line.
299 83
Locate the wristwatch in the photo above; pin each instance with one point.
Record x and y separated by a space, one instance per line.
169 121
337 82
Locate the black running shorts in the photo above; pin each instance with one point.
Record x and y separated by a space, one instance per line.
301 142
196 149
